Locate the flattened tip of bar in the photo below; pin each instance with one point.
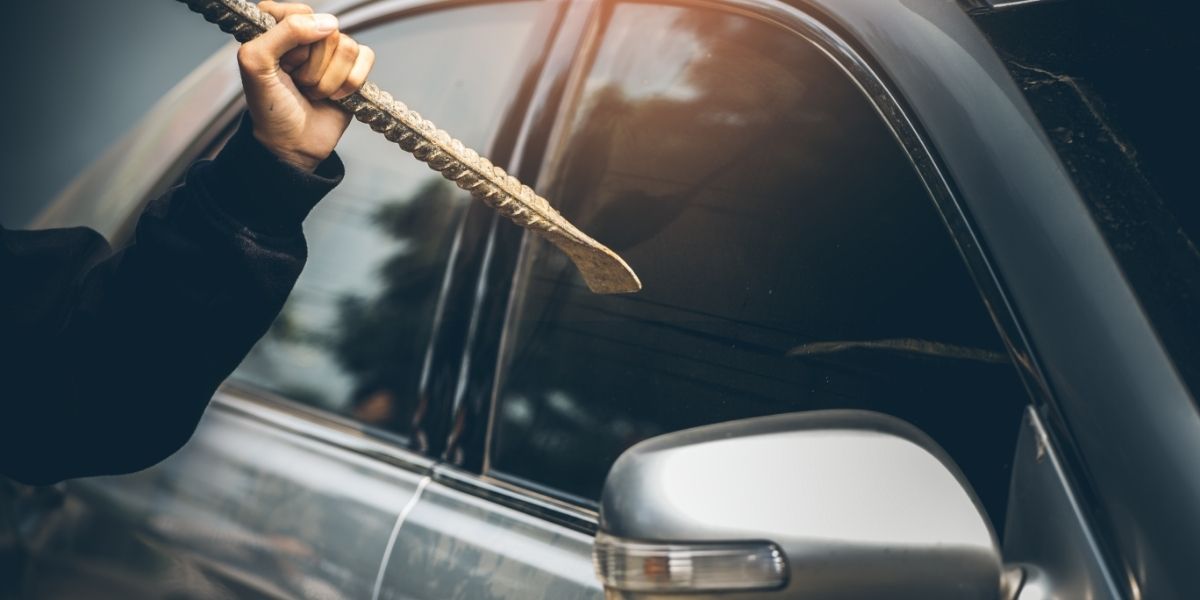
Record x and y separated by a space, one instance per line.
616 278
603 271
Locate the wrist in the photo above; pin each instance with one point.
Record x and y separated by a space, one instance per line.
258 190
292 157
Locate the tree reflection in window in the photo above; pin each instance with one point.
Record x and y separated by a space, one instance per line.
373 339
352 336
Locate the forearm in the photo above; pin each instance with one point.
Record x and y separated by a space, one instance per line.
149 333
116 358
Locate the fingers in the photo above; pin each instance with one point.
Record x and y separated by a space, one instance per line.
320 56
263 54
340 64
358 74
321 63
281 10
294 58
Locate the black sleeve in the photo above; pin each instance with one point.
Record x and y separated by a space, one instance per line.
108 360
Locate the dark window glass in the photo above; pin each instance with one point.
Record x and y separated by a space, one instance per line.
1109 105
353 334
792 260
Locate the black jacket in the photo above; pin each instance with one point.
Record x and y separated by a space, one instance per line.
107 360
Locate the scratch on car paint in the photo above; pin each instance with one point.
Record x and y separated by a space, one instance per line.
1129 153
391 543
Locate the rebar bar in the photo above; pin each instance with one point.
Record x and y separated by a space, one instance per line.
603 271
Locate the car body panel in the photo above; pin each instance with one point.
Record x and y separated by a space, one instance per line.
1046 530
247 509
457 546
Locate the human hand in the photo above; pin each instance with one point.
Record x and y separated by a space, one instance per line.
290 71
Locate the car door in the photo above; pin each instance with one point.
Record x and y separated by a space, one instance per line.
792 256
469 536
293 484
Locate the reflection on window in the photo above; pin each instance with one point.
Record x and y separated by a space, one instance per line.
353 334
791 259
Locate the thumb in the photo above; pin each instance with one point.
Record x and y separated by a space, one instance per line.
262 54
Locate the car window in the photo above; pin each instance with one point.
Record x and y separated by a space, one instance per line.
792 260
352 336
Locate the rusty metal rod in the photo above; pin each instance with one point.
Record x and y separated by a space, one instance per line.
602 270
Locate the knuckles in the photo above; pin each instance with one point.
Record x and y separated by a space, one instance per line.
296 27
305 77
281 9
347 47
326 83
358 76
252 58
327 87
309 66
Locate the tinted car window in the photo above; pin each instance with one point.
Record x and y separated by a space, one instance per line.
353 334
791 257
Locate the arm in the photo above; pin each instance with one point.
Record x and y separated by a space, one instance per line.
110 359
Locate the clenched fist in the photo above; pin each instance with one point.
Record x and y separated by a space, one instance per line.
290 71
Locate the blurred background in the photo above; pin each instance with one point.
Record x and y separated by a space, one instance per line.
79 74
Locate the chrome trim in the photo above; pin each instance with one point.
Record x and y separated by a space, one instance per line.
314 425
974 7
524 500
999 4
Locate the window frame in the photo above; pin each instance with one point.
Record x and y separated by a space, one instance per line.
879 93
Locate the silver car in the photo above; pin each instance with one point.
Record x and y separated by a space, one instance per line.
848 376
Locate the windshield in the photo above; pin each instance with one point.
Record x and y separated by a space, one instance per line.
1105 79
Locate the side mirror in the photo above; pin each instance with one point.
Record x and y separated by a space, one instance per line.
813 506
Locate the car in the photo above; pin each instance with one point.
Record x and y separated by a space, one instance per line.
919 320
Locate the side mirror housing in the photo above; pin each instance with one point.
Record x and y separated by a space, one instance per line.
813 506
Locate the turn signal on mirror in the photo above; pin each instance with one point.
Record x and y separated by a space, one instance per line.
709 567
